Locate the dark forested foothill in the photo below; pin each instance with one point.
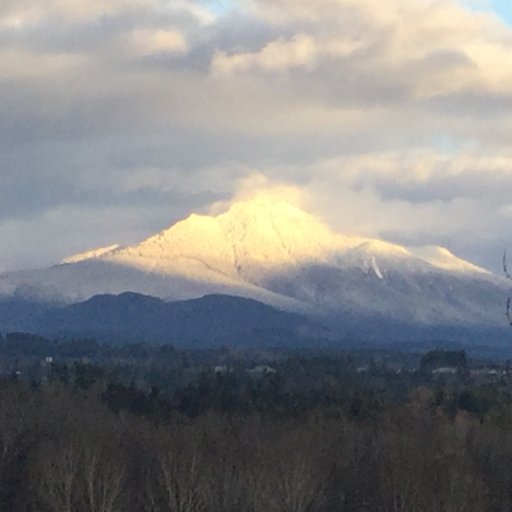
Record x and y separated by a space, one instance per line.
93 427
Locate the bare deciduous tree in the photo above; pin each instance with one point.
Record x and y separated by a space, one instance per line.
287 479
177 482
56 476
103 480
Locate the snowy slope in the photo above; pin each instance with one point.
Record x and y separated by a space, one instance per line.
277 253
442 258
260 237
80 281
89 255
251 238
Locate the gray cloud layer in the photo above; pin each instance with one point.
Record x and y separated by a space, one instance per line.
118 117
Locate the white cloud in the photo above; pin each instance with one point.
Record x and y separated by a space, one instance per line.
394 115
146 42
25 13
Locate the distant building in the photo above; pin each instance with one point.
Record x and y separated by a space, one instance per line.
445 370
222 369
262 370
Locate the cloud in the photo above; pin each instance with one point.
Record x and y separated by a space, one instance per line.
420 194
258 185
422 49
149 42
389 118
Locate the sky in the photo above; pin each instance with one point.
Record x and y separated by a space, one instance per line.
120 117
503 8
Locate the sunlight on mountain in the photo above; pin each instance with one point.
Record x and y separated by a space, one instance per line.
264 234
94 253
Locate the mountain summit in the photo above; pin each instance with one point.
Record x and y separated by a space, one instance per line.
260 236
252 238
275 252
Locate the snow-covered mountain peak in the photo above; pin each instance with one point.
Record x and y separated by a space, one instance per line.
251 236
441 257
274 251
263 235
280 232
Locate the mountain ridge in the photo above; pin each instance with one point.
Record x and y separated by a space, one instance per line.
259 232
212 319
274 252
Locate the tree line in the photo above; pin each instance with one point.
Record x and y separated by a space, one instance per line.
106 447
155 429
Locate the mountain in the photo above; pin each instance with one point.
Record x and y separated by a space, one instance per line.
274 252
213 319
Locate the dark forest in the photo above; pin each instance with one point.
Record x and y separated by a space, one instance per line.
148 428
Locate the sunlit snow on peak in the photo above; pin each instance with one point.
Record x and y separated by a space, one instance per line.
88 255
261 235
250 237
383 248
444 259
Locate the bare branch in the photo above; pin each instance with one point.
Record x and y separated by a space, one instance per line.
505 266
